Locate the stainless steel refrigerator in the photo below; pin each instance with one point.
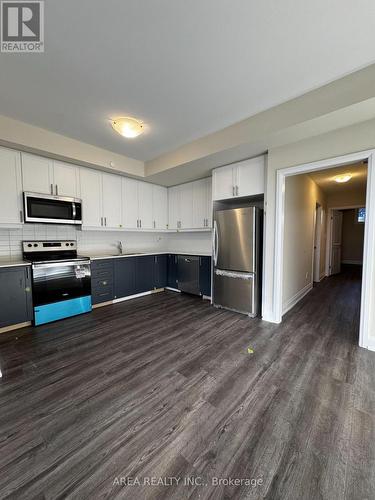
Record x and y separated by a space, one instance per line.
236 259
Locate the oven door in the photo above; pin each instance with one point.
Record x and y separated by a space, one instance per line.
52 209
57 282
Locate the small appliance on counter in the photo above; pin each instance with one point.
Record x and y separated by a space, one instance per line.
50 209
61 280
236 259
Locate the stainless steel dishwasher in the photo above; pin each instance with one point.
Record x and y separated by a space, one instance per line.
188 274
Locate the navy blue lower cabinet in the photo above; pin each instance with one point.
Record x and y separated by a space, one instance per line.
205 276
160 271
124 277
172 271
102 280
15 296
144 275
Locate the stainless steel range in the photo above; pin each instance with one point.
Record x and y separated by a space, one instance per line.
61 280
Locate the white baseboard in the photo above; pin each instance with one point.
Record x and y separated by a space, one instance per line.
352 262
172 289
289 304
15 327
115 301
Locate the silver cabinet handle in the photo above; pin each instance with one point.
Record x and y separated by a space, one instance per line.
21 215
233 191
140 222
57 190
105 221
154 224
101 220
237 190
51 188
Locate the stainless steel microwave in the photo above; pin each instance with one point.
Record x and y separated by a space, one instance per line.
49 209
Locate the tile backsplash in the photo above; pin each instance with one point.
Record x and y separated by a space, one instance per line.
97 242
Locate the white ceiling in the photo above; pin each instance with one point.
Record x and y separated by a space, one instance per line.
326 178
186 68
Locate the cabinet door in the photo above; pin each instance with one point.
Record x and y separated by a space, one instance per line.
160 271
91 194
172 271
37 174
129 203
199 204
250 177
15 296
159 207
66 179
124 277
144 275
145 205
10 187
186 205
205 276
174 212
209 202
112 207
223 185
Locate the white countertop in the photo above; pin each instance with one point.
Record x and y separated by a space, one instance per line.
13 263
20 262
135 254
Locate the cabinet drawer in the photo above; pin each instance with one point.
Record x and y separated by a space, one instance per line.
101 283
102 296
102 274
101 265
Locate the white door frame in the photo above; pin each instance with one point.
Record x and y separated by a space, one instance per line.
316 255
329 232
368 281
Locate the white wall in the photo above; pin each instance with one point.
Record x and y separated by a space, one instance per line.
347 140
353 234
301 196
101 242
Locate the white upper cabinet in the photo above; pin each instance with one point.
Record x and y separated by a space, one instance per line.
160 207
186 206
245 178
42 175
111 201
130 219
145 214
174 207
66 179
202 204
10 187
189 205
91 194
223 183
37 174
250 177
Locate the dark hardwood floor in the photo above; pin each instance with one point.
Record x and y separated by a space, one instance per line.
163 387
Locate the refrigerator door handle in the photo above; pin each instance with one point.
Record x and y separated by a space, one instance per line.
216 243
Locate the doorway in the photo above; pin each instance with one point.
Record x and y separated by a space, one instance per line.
367 318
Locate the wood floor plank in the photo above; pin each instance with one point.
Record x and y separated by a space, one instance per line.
163 386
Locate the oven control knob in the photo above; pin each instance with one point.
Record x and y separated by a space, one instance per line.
72 244
67 244
29 245
35 245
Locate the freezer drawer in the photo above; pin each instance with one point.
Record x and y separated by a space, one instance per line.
236 291
188 274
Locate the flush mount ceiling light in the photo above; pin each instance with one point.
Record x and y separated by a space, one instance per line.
127 127
342 178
